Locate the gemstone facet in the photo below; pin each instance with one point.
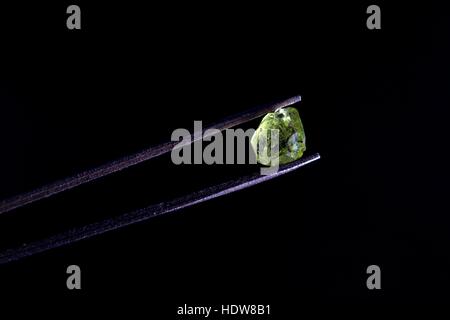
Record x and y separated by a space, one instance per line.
291 137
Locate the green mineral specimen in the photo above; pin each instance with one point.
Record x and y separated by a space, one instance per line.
291 137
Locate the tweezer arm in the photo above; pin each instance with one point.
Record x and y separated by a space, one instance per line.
149 212
131 160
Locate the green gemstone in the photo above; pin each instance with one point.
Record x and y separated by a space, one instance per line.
291 144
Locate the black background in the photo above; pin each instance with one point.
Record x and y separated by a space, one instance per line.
374 105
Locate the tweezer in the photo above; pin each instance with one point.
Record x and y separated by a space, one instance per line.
129 218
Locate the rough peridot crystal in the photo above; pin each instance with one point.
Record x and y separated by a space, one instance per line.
291 137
